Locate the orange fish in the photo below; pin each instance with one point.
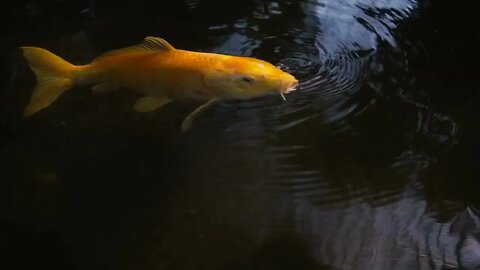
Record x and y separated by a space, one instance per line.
158 72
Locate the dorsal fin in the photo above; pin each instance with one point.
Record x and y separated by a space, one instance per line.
156 43
149 44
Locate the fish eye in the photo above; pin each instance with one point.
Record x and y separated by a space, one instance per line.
248 79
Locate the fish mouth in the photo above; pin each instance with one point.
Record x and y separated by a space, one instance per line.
289 87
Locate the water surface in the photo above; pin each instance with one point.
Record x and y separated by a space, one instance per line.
371 164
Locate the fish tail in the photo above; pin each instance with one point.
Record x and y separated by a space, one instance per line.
54 77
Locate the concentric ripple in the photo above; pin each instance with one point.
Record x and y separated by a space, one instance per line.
331 50
334 61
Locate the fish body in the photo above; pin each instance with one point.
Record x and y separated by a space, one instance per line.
158 72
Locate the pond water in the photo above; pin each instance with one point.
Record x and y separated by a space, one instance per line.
370 164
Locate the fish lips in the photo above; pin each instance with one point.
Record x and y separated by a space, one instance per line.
289 87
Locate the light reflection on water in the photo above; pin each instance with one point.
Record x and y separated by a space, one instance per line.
303 173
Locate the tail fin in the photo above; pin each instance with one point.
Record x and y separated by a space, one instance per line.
54 76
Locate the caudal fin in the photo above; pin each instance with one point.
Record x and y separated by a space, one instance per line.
54 76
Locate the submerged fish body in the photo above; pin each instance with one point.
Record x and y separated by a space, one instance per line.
159 72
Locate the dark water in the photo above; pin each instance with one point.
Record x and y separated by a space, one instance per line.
371 164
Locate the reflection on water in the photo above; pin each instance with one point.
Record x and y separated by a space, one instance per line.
359 169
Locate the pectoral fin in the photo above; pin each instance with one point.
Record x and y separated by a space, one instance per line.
187 123
146 104
104 88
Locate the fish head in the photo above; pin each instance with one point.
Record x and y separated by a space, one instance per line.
245 77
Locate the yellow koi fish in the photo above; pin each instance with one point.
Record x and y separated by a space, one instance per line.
158 72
